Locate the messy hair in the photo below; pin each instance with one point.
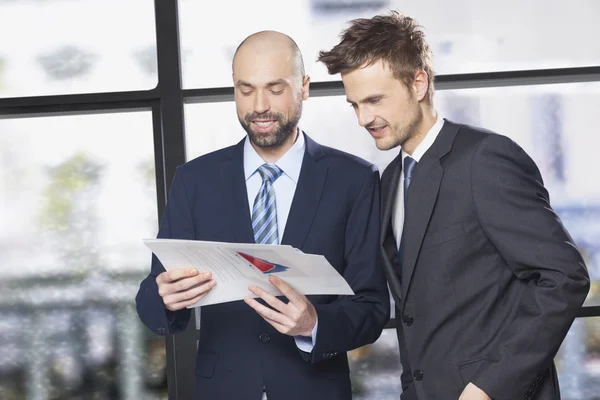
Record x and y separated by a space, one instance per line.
395 39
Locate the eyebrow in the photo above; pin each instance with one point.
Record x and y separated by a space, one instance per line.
367 99
279 81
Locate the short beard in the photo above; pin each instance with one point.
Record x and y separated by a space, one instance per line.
279 135
411 129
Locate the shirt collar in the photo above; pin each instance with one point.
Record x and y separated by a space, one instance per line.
428 140
290 163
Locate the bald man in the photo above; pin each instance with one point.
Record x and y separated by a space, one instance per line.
275 186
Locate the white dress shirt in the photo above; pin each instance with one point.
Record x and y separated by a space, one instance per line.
285 187
398 208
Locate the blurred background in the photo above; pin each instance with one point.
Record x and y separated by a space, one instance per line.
101 99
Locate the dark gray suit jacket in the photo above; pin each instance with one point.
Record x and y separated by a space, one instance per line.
490 280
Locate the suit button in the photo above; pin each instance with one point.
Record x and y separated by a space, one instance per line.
418 375
265 338
408 320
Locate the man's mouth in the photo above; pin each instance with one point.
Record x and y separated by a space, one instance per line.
376 131
264 125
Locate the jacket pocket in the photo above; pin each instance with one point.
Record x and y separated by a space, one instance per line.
468 369
444 235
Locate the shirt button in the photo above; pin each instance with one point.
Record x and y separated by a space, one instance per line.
418 375
265 338
408 320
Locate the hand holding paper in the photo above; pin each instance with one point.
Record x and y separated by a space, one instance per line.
236 266
296 318
180 288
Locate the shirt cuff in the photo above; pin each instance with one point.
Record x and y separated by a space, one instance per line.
305 343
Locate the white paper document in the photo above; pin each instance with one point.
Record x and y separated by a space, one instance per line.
236 266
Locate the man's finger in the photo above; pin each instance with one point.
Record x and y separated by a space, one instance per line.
176 274
184 304
287 290
280 328
181 285
190 282
268 313
189 294
269 298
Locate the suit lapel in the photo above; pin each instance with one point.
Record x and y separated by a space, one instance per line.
419 202
307 196
421 199
389 190
235 196
389 187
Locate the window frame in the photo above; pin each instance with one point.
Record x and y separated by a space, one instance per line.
167 100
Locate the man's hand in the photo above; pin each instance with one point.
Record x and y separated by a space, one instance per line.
296 318
180 288
472 392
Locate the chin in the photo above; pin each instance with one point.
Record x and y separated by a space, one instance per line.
385 144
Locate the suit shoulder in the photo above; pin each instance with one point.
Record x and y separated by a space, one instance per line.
473 136
477 138
205 163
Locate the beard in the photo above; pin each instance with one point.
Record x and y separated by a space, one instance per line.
285 127
406 132
399 135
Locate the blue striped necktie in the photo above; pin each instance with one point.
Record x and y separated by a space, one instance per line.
264 211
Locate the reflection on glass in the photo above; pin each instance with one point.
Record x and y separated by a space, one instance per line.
555 124
578 361
375 369
66 46
77 194
470 36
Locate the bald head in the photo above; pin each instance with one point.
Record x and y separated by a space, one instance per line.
269 88
270 45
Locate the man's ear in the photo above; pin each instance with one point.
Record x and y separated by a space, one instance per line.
305 87
420 84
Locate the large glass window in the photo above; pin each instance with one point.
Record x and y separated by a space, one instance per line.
578 361
465 36
77 195
67 46
375 369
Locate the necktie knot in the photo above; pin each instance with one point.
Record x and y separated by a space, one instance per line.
409 166
269 172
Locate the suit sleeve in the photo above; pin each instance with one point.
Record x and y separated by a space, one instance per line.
514 211
354 321
176 223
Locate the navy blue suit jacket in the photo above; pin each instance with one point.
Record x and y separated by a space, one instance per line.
335 212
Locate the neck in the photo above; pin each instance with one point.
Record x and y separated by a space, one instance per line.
274 153
429 119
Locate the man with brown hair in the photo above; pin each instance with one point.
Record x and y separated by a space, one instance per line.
486 279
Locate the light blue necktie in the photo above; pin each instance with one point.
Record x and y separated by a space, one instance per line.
264 211
409 166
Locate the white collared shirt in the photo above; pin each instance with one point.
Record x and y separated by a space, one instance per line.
398 208
285 188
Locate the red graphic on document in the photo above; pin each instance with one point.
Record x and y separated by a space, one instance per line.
263 266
